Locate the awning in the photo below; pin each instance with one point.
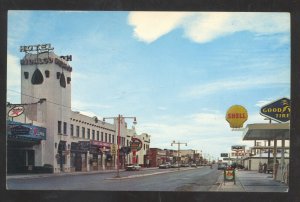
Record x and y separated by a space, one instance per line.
267 131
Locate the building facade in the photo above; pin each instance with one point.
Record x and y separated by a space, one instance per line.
49 134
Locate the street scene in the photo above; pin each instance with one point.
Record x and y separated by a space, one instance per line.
148 101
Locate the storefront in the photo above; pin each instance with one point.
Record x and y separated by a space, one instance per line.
269 132
23 144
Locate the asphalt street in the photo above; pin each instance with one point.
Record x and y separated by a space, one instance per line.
187 179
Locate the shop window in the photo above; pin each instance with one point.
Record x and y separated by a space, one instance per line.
26 75
65 128
83 132
59 127
88 133
47 73
77 131
37 77
72 129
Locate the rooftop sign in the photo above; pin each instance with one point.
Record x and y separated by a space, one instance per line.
278 110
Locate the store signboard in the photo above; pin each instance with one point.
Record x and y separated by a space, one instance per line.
279 110
16 111
237 147
26 131
224 154
136 144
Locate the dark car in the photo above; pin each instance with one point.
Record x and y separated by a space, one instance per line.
222 166
133 167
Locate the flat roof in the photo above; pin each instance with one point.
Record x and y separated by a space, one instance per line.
267 131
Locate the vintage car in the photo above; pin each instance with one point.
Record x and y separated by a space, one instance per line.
133 167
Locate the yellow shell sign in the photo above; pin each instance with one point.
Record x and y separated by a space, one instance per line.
236 116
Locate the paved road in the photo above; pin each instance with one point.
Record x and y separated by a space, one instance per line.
192 179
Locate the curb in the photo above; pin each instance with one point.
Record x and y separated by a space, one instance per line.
148 174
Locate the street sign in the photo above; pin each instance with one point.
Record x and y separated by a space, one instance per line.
113 149
237 147
278 110
224 154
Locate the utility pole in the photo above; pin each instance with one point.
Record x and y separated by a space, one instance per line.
178 150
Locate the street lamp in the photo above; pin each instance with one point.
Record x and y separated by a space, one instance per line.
119 117
178 149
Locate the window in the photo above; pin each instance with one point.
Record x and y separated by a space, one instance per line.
105 137
109 138
37 77
77 131
144 147
65 128
127 143
93 134
113 139
88 133
98 135
59 127
83 132
101 136
72 129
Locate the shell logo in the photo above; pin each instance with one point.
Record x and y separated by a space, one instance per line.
236 116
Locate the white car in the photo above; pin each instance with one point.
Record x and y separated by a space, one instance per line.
133 167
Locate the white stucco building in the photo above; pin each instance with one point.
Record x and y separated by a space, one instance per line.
49 133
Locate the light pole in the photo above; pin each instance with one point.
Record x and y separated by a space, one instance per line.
119 117
178 150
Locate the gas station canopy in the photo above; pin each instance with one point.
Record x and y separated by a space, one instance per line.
267 131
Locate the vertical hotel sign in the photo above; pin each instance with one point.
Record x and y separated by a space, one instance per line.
279 110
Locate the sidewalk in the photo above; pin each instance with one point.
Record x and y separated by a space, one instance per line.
41 175
251 181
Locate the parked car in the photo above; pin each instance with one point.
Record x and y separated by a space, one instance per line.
165 165
176 165
194 165
133 167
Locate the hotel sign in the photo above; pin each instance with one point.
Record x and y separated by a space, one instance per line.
279 110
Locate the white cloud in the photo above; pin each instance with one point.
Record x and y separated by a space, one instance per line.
205 27
149 26
237 84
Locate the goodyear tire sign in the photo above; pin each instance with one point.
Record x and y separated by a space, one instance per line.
279 110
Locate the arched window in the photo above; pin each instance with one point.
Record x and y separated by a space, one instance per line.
62 80
37 77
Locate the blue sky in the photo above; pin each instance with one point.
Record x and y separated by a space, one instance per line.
177 72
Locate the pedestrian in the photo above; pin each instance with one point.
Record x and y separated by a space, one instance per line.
265 167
